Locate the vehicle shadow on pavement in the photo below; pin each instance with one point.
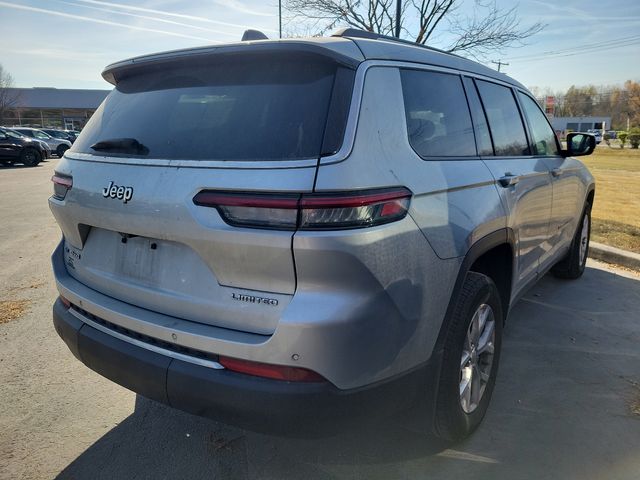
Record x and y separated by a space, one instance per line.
567 421
159 442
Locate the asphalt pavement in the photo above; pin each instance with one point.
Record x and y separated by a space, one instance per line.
566 404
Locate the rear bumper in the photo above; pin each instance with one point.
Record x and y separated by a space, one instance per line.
242 400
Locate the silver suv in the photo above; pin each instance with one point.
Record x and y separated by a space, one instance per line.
279 234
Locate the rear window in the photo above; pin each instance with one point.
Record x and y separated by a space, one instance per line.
438 120
240 108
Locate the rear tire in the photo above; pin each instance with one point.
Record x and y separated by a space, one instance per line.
573 264
61 149
470 358
30 157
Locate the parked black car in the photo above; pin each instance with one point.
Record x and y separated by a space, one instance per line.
16 148
44 146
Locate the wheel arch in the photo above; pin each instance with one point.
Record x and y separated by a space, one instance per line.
591 193
485 257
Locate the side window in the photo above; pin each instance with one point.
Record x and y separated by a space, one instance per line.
507 129
438 120
483 137
543 137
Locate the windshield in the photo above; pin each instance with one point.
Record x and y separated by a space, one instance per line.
56 134
12 134
41 135
273 109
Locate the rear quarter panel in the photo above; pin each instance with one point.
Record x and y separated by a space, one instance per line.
455 204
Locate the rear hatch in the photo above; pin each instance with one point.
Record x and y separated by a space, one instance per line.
235 120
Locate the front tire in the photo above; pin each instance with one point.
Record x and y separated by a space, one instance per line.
573 264
30 157
470 358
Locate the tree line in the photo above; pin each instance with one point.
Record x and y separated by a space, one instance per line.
621 103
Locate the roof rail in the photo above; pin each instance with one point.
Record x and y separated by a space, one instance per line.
350 32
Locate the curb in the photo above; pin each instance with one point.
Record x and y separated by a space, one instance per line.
614 255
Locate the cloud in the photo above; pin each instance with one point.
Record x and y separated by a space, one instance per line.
169 14
103 22
63 53
148 17
241 7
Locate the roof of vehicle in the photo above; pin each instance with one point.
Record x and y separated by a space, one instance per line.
348 46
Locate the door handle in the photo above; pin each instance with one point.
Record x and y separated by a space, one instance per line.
509 179
556 172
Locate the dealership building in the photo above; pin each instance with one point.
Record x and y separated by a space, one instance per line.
52 107
580 124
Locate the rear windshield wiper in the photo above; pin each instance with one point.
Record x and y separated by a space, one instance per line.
121 145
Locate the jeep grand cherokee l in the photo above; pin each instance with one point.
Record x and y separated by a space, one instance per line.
271 233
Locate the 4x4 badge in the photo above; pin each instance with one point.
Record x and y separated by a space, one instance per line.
116 191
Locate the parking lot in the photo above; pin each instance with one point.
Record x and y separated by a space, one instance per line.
566 404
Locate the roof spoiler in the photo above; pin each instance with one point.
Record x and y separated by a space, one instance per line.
251 34
115 72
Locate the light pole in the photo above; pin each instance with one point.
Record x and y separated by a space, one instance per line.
398 13
280 17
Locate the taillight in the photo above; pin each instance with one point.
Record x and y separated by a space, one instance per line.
253 210
266 370
353 210
341 210
61 185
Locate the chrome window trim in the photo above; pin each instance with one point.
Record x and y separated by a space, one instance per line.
358 89
341 155
153 348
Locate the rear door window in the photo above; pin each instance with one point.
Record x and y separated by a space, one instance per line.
437 115
235 108
505 122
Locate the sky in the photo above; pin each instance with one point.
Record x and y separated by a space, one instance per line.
67 43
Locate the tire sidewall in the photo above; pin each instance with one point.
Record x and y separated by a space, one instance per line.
582 265
29 163
61 149
457 423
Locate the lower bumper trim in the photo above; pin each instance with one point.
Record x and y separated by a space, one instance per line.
254 403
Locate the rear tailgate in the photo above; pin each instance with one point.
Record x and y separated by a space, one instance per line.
179 259
230 123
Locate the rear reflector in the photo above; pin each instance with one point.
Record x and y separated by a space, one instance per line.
61 185
65 302
265 370
332 211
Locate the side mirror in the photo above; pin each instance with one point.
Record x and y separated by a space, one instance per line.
579 144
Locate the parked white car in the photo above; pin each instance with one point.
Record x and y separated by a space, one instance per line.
597 134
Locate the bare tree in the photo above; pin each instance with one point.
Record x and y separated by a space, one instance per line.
8 98
476 32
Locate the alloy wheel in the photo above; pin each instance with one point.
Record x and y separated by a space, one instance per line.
477 358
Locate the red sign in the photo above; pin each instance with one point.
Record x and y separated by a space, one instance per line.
549 104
